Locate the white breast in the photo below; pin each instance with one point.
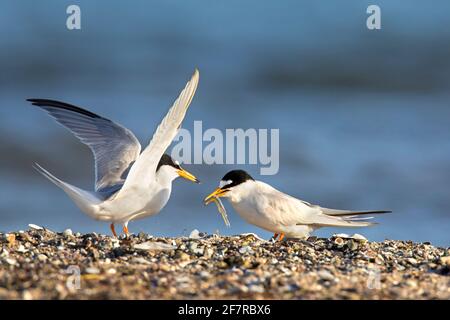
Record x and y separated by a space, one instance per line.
136 203
251 204
262 205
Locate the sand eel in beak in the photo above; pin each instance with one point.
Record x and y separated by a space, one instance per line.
264 206
129 185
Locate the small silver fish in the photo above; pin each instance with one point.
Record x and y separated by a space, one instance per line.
222 210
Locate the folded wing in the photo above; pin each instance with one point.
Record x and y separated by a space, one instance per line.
287 210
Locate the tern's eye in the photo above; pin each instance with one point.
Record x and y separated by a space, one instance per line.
176 165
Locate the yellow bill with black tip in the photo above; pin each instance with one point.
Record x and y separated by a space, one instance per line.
215 194
187 175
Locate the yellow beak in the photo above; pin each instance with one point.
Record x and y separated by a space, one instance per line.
215 194
188 176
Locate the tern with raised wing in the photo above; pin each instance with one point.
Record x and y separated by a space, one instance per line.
129 184
264 206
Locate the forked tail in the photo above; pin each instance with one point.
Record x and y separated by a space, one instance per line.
85 200
347 218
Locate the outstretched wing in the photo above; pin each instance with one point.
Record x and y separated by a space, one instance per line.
115 148
145 166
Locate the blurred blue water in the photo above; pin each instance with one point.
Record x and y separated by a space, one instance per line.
363 115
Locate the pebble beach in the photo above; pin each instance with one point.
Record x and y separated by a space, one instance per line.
43 264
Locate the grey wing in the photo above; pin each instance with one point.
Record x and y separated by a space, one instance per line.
350 213
287 210
115 148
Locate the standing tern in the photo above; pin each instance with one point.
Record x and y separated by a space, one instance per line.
264 206
129 185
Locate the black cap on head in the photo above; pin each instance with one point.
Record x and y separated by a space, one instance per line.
235 177
167 160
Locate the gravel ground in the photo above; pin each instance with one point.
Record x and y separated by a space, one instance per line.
41 264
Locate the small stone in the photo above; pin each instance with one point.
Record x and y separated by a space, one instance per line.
4 253
115 243
325 275
359 237
153 245
11 261
11 239
183 256
339 241
139 260
400 267
256 288
195 249
92 270
246 250
445 261
254 235
42 257
67 233
412 261
26 295
49 231
208 253
352 245
21 249
142 235
111 271
95 254
379 259
118 252
341 235
195 234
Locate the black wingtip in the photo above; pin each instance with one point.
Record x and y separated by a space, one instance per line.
62 105
373 212
33 101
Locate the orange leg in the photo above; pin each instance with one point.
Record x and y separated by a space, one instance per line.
281 237
113 230
125 230
275 236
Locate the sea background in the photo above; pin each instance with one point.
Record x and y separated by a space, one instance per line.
364 116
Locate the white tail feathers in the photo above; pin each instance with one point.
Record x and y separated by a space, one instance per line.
85 200
348 213
336 221
347 218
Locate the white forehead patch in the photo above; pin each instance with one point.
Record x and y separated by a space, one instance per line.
224 183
